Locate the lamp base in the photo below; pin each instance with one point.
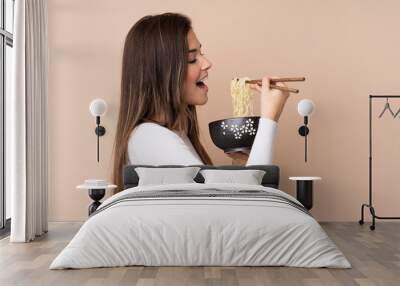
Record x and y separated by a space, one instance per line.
303 130
100 130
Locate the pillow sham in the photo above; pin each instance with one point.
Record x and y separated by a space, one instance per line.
163 176
248 177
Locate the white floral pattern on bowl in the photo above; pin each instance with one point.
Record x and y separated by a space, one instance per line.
239 130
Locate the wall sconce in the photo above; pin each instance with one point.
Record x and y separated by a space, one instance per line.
305 108
98 108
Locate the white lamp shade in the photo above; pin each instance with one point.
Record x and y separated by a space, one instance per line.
305 107
98 107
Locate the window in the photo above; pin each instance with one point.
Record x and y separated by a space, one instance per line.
6 62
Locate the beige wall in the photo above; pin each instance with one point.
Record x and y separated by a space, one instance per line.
346 49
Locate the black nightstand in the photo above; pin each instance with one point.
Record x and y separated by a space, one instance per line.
304 190
96 193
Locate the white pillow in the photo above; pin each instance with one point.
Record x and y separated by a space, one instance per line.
249 177
163 176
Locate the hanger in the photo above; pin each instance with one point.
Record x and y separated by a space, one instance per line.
387 106
397 113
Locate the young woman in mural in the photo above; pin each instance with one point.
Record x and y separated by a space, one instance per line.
163 73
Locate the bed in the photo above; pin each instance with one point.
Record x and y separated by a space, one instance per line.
201 224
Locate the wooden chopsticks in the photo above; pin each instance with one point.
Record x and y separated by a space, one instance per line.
280 79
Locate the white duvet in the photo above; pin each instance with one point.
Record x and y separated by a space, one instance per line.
200 231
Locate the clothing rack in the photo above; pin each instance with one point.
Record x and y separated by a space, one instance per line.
370 205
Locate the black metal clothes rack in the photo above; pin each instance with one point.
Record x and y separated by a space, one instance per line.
370 205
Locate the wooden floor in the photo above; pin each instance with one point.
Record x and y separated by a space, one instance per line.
375 257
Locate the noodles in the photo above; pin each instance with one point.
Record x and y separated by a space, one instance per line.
241 97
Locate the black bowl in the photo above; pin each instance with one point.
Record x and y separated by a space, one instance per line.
234 134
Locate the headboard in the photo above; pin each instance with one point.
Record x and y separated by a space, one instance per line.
270 179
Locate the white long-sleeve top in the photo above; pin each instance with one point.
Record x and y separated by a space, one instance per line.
153 144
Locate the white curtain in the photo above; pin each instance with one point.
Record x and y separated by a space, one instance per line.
27 122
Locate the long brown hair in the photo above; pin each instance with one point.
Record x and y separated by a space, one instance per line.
154 67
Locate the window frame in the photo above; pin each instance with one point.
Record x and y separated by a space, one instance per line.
6 39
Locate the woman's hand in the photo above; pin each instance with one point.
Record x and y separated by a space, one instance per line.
239 158
272 100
